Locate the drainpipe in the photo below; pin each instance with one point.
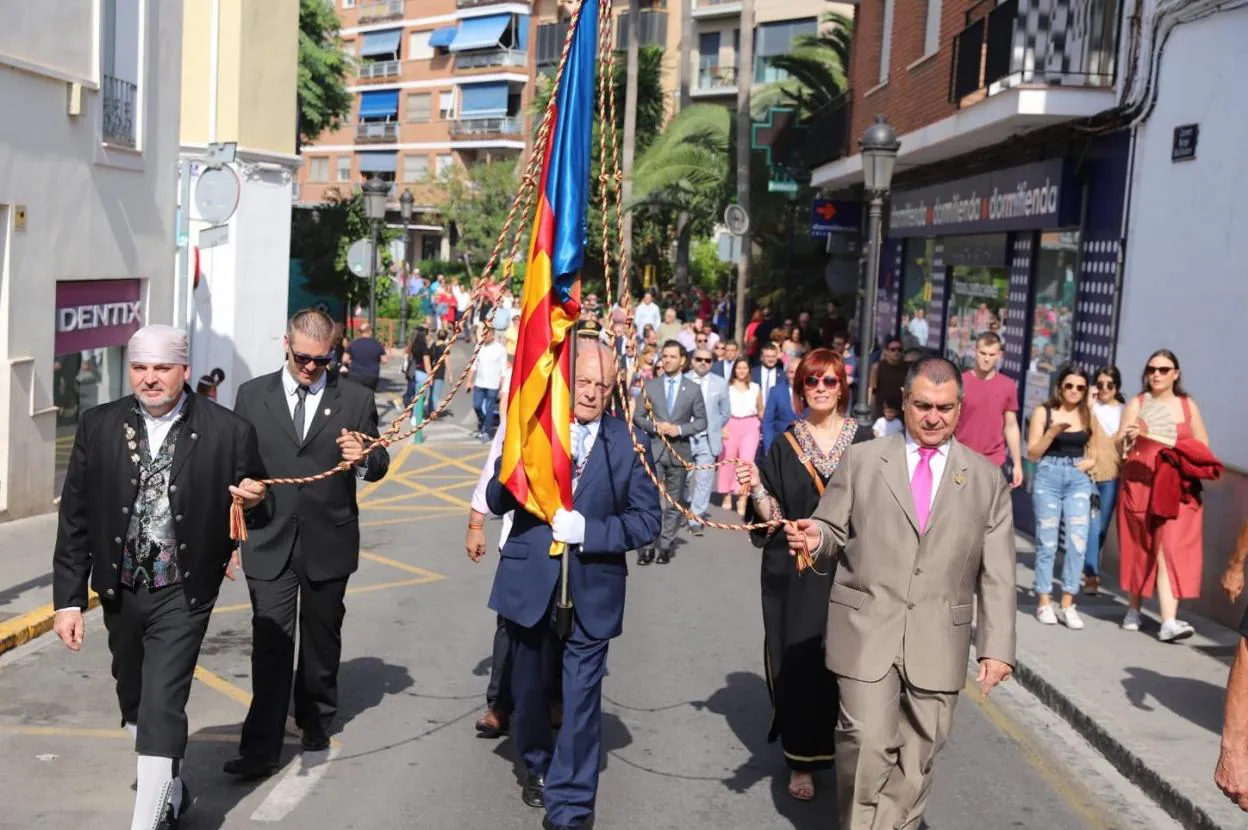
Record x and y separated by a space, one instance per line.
1122 249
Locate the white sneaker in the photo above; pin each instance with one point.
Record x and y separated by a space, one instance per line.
1172 631
1045 614
1131 622
1070 618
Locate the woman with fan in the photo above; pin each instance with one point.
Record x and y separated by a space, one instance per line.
1166 553
1061 438
795 605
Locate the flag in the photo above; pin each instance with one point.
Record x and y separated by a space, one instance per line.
537 455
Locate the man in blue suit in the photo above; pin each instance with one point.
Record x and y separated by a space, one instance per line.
778 411
706 445
615 510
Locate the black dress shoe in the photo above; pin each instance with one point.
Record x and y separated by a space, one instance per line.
534 791
645 557
314 740
547 824
665 556
169 821
245 767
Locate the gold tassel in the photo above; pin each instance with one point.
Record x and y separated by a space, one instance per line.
238 523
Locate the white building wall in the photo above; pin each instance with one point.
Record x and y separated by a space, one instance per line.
91 212
1186 280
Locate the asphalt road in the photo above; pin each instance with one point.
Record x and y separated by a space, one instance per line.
686 707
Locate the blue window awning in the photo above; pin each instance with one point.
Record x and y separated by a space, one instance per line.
442 38
483 99
380 103
522 32
381 43
481 32
374 161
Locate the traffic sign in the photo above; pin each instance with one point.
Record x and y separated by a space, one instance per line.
737 220
778 186
214 236
828 216
728 247
221 153
358 257
216 194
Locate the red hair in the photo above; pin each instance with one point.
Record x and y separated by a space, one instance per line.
819 363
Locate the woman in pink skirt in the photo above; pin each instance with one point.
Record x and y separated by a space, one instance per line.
743 432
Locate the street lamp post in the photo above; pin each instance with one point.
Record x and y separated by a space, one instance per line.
375 193
406 203
879 146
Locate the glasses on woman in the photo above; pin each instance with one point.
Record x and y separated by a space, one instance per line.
1074 387
828 381
1158 370
1106 384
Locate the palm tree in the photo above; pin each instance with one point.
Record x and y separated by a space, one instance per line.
816 70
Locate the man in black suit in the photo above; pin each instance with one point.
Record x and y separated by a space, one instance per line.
304 541
145 513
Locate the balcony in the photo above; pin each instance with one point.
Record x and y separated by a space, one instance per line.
474 4
119 99
489 58
376 132
550 37
703 9
1001 51
377 70
652 26
381 10
715 78
469 127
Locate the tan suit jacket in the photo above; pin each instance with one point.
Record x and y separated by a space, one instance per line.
897 592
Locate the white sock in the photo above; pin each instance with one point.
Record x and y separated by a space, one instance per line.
155 780
133 729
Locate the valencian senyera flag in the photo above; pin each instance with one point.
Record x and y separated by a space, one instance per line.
537 455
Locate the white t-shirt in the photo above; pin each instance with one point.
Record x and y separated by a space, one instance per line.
1110 416
490 366
743 403
883 428
647 314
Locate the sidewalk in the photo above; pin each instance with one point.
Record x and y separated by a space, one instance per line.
1154 710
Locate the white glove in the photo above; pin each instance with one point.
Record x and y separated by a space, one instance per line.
568 527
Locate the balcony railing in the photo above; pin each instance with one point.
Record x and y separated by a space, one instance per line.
381 10
472 4
375 70
714 74
715 8
550 37
498 125
119 99
491 57
1001 50
376 132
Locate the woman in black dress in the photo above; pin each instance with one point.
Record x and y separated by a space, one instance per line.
795 605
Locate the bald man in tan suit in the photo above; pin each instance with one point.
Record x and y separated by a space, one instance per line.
920 525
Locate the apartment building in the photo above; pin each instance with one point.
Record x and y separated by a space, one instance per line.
239 85
88 160
439 84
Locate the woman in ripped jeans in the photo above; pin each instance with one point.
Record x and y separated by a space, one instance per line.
1057 440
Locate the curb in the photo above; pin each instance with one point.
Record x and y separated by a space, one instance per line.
26 627
1136 770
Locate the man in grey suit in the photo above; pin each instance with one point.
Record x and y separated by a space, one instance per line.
706 445
919 525
679 414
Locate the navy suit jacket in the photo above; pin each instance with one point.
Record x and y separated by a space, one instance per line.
778 413
622 512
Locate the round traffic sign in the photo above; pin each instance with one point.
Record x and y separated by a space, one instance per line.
216 194
737 220
358 257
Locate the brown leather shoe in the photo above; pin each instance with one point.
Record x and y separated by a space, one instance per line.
493 724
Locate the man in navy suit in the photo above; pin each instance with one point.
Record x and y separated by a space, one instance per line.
768 373
615 510
778 412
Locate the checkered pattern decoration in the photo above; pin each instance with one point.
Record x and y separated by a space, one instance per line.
1015 329
1094 310
936 308
888 298
1070 41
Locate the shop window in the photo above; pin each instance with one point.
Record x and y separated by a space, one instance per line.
916 295
978 288
1054 289
81 380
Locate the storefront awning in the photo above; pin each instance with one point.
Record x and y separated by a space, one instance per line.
381 43
373 161
442 38
481 32
381 103
483 99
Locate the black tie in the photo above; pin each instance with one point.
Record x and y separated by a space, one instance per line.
302 392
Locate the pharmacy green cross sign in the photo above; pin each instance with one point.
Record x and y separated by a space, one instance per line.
779 136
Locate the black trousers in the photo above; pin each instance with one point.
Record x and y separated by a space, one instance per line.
154 637
278 605
498 693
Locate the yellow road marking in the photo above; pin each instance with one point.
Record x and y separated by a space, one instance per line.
454 461
407 508
396 464
443 515
402 583
114 734
219 684
422 489
429 576
1078 801
423 576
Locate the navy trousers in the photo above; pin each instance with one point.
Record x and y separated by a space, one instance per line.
568 762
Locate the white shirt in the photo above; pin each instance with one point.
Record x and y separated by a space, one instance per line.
937 463
487 472
1110 416
311 402
767 378
884 427
743 403
490 366
591 436
462 298
918 328
647 314
158 426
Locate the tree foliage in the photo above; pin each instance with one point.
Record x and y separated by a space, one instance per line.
477 201
320 238
323 67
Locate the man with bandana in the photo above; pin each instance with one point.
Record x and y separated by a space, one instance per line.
145 519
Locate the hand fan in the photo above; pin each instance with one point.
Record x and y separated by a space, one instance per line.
1158 423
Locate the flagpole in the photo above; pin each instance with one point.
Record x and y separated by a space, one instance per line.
563 606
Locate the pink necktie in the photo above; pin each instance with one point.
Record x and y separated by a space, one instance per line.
921 486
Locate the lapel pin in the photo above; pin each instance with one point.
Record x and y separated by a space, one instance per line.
194 436
959 479
327 411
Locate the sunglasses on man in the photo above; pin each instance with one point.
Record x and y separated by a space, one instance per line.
302 359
